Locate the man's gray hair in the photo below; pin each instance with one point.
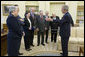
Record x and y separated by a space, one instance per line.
32 8
41 11
65 7
12 8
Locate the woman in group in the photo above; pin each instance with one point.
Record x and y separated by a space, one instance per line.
27 30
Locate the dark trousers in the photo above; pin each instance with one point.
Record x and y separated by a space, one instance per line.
42 39
19 45
27 38
13 44
46 40
64 42
32 37
53 36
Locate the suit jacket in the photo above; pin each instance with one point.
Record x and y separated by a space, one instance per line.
54 25
21 22
15 28
14 35
65 25
33 20
40 23
47 23
27 24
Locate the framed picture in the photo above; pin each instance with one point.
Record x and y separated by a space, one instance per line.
30 6
5 8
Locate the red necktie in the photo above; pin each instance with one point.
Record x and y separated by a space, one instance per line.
41 17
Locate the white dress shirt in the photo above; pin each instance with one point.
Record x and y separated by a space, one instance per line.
30 23
54 18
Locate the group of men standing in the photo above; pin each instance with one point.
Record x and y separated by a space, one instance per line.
38 22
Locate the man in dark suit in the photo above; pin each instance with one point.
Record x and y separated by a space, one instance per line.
47 26
65 26
54 28
32 18
15 32
40 25
21 21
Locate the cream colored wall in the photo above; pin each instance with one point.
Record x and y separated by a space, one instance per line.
80 3
45 6
73 9
56 8
42 5
31 3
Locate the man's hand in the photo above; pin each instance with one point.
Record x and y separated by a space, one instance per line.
45 28
49 19
37 29
23 34
21 20
29 28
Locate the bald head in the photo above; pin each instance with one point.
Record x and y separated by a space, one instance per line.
41 12
47 13
32 9
53 14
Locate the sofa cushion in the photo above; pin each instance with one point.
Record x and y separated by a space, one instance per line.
81 41
80 32
73 31
71 40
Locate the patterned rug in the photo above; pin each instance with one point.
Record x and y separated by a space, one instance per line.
48 54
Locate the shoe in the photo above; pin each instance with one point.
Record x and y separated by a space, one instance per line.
54 42
20 53
38 45
61 54
43 44
32 45
28 49
47 42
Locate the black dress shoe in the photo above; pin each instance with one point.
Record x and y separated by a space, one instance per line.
43 44
28 49
47 43
61 54
20 53
54 42
38 45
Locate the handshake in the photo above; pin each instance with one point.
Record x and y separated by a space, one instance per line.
21 20
49 19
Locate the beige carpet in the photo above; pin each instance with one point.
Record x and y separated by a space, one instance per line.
48 48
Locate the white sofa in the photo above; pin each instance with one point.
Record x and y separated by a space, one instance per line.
76 39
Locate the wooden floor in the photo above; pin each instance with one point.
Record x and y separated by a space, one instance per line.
50 48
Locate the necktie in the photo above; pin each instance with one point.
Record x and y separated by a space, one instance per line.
32 15
41 17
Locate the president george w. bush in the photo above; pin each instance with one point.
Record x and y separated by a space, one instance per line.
65 28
